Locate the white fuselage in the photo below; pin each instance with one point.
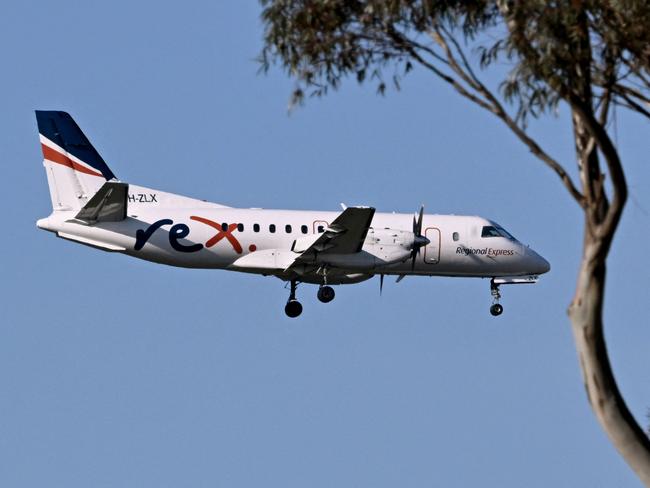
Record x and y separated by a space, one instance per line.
179 231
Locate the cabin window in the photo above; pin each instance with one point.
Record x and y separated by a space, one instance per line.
321 229
240 227
224 227
272 228
287 228
304 229
455 236
256 227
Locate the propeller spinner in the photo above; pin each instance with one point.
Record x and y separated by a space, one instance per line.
418 239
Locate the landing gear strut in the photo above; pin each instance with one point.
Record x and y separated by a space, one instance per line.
326 294
293 308
496 309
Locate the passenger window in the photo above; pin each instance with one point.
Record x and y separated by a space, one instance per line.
224 227
287 228
240 227
321 229
256 227
304 229
455 236
272 228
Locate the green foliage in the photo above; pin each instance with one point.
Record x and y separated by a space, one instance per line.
589 49
592 55
320 43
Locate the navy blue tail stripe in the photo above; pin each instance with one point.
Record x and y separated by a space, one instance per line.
62 130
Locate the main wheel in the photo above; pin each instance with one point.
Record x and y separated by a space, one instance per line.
496 309
293 308
326 294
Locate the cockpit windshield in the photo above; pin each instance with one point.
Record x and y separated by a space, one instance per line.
496 231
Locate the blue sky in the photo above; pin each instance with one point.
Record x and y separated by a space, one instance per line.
120 373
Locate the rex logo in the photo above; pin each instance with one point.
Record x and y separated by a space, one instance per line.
181 231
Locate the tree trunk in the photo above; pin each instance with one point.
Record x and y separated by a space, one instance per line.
604 396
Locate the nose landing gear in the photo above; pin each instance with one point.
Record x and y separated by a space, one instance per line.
293 308
496 309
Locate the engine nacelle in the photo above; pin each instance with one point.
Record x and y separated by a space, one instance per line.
382 247
389 246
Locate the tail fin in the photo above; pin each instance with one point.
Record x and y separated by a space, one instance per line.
75 170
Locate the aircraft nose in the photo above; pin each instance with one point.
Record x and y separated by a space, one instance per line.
536 263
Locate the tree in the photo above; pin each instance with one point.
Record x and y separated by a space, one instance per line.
590 55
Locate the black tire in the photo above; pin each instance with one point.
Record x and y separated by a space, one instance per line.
293 308
496 309
326 294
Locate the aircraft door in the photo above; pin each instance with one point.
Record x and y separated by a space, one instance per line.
432 250
320 226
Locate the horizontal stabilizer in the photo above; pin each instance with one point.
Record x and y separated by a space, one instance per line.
104 246
107 205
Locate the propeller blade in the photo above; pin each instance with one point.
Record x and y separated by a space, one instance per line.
381 283
417 224
418 239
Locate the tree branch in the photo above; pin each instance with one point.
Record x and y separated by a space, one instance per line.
494 106
627 90
605 231
635 107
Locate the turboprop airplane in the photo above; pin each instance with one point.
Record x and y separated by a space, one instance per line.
92 207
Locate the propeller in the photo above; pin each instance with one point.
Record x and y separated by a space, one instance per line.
418 239
381 281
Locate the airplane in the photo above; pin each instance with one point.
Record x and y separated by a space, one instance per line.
91 206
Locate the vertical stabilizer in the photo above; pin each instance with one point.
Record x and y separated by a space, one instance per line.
75 170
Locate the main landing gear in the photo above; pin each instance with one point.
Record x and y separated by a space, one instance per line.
326 294
293 308
496 309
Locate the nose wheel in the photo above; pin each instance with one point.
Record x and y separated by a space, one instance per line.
496 309
293 308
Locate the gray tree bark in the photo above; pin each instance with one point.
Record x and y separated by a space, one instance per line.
586 310
602 391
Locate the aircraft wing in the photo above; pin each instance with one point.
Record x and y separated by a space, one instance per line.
345 235
107 205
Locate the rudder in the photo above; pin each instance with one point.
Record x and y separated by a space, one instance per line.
75 170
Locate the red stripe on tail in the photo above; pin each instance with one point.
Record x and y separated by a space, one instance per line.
56 157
